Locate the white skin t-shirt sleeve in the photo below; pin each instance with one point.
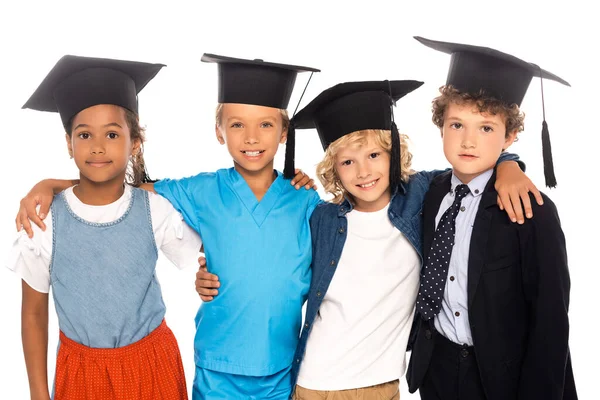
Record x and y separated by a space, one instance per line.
178 242
30 259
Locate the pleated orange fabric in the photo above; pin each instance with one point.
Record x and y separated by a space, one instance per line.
149 369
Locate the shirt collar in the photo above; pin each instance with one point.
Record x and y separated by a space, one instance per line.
477 184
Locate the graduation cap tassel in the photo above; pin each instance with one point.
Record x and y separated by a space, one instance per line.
395 169
546 146
547 155
289 169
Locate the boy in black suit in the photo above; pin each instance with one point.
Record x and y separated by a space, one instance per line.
492 307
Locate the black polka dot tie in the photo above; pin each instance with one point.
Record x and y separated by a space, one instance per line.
435 271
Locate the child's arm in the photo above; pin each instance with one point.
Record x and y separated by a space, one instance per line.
300 180
34 334
43 193
546 286
149 187
512 185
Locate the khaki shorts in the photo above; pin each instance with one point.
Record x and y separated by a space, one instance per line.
384 391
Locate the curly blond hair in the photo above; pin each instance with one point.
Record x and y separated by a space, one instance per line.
514 117
326 168
285 119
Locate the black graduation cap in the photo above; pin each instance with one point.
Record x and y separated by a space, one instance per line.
353 106
500 75
259 83
76 83
255 81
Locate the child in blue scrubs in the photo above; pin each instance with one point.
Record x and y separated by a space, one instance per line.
255 229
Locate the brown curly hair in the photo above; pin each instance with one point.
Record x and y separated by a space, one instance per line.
326 168
136 170
485 104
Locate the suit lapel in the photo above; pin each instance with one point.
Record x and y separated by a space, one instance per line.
479 238
439 188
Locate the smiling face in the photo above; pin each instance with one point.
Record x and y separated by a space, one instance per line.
473 140
100 142
252 135
363 169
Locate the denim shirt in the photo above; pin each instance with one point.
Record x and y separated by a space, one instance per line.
328 226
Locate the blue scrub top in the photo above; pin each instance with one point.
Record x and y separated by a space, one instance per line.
261 252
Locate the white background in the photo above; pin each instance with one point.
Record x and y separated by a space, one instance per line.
365 40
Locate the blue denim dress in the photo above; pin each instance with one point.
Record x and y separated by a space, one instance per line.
103 275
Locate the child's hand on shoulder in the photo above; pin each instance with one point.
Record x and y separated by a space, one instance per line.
513 188
301 179
40 195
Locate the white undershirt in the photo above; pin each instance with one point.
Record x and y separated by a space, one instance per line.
30 258
359 337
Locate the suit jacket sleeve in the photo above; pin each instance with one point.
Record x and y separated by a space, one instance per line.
546 287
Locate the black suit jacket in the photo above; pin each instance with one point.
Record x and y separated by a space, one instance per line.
518 299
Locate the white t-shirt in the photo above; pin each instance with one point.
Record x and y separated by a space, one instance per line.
360 335
30 258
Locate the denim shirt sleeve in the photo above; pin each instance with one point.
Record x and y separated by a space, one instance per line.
314 223
430 175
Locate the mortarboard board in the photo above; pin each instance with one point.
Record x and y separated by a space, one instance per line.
255 81
500 75
76 83
353 106
261 83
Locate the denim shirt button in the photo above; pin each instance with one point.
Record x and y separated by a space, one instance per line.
341 230
332 263
318 294
306 325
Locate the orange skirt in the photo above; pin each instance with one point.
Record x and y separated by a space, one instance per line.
149 369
